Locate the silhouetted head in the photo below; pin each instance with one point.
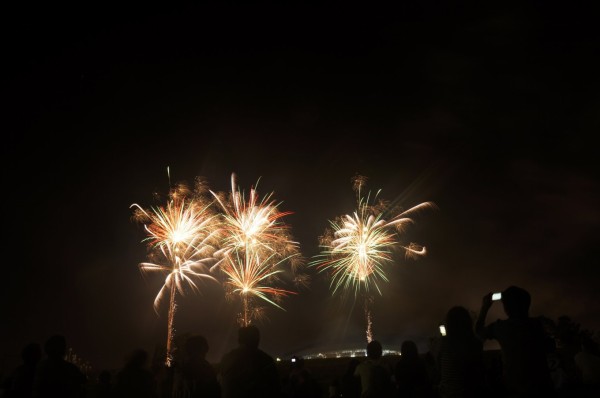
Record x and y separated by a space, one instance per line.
196 346
409 349
249 336
374 349
56 347
31 353
458 322
516 302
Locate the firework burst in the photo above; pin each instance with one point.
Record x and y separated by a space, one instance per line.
255 246
357 247
181 237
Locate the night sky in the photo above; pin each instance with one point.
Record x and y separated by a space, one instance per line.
491 113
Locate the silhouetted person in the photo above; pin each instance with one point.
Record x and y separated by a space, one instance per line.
247 371
54 376
135 380
460 358
20 383
350 384
301 382
375 377
196 376
412 379
523 343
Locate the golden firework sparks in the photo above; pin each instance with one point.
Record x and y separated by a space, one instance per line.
181 235
255 246
357 247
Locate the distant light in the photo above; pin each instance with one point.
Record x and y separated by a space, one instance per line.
278 359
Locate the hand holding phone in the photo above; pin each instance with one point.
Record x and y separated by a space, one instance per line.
442 330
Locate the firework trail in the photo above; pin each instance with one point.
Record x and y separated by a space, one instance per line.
254 248
181 238
357 247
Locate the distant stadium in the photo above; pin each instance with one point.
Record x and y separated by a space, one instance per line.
346 353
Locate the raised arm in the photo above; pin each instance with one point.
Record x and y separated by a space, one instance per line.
486 303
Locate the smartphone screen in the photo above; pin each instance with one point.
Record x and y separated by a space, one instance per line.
496 296
443 330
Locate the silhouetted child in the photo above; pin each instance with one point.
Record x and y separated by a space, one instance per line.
523 342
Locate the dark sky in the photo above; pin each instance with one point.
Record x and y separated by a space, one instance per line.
490 112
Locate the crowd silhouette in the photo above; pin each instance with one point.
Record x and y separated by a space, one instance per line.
528 365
